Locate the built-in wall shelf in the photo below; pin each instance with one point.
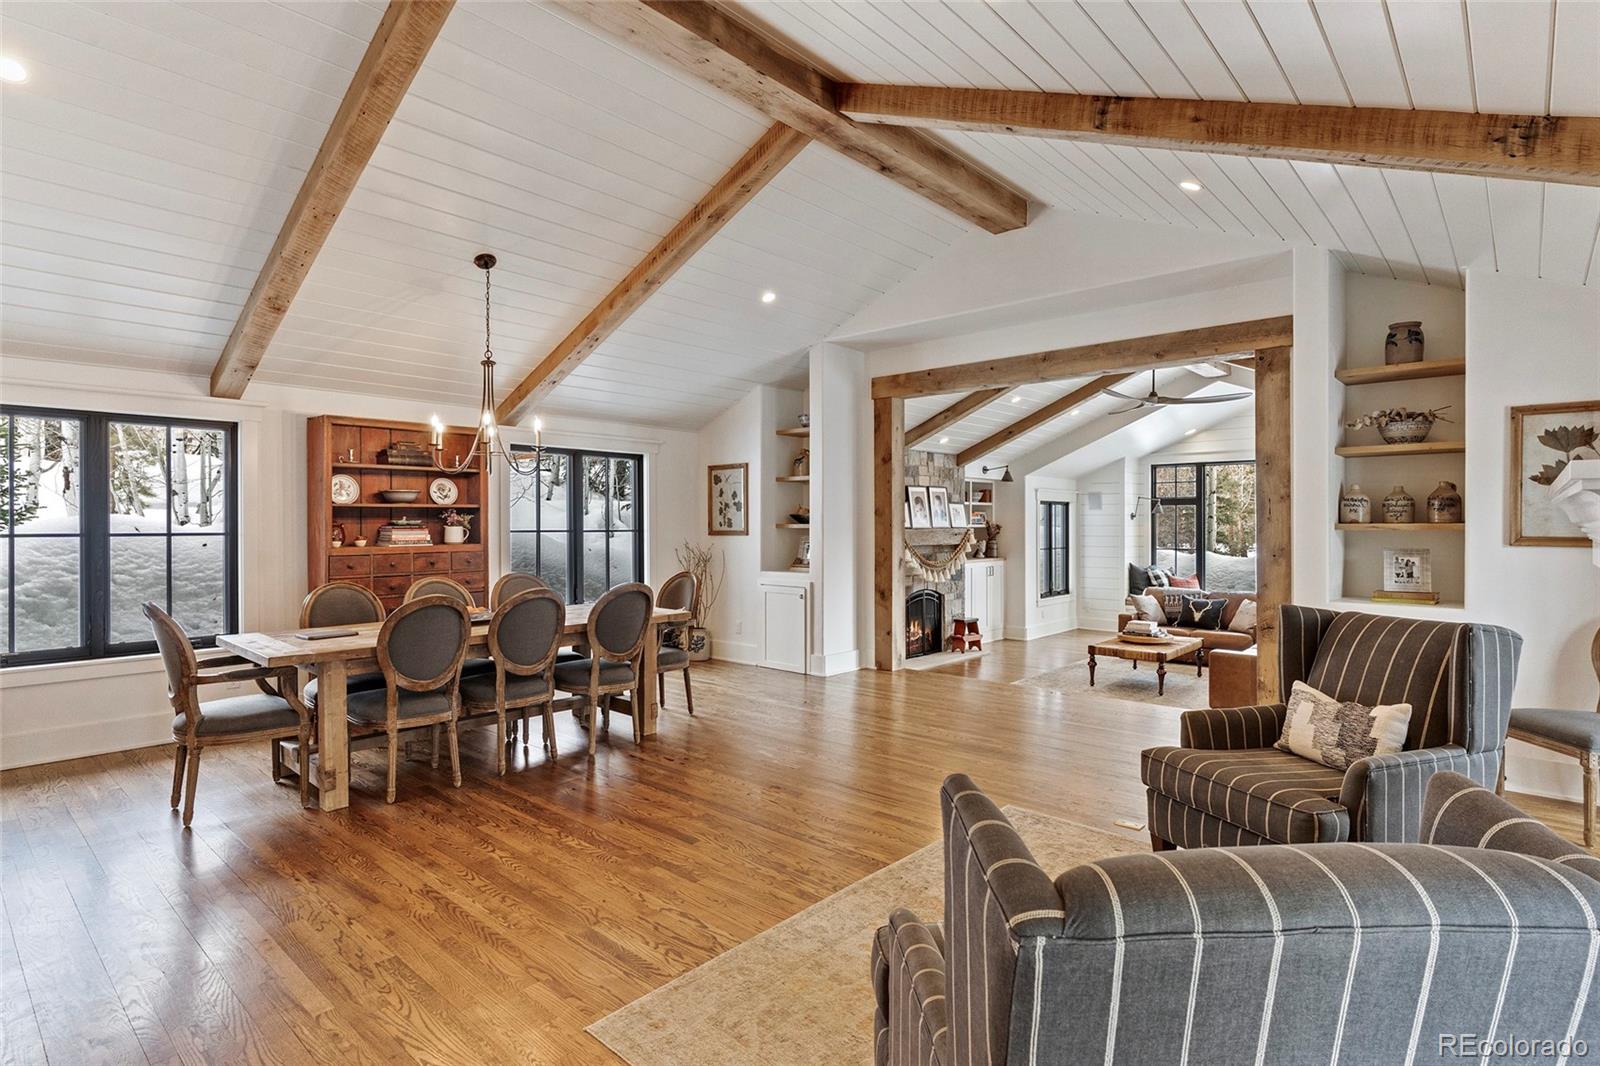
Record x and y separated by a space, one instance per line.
417 506
794 431
1403 527
1426 447
794 478
396 468
794 525
1428 368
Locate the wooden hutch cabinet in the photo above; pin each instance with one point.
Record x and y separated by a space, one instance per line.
359 448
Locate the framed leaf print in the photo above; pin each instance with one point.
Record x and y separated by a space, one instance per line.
727 500
1546 437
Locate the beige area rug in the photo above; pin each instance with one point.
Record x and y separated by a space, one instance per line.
801 993
1118 680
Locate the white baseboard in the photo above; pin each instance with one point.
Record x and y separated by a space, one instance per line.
736 652
79 741
840 662
1041 629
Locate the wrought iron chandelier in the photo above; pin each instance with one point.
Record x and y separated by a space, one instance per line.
486 438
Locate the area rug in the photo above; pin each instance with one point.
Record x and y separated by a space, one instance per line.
1118 680
800 993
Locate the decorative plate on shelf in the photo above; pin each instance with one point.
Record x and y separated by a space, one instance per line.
345 489
443 491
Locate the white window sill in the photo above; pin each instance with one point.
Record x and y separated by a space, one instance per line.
81 670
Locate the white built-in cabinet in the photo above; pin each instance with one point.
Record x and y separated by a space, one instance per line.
986 596
786 626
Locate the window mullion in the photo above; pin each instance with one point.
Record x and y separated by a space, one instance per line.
94 524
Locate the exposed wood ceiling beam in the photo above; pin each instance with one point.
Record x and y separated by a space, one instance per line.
1162 349
701 39
1034 419
952 414
1529 147
405 34
732 191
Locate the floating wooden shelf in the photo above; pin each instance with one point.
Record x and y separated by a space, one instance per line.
794 477
351 549
1427 447
794 525
1428 368
388 469
795 431
1402 527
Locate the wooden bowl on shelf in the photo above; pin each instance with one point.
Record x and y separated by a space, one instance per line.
400 495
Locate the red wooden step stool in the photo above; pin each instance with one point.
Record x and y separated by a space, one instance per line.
964 635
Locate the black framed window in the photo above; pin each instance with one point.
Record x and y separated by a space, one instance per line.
1054 557
103 512
579 523
1205 526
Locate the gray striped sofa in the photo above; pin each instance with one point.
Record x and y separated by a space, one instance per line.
1225 784
1478 944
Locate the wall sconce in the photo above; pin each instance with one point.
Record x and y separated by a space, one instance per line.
1005 478
1155 506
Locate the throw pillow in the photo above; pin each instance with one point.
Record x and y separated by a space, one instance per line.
1148 608
1138 579
1158 576
1202 614
1336 734
1185 582
1172 601
1244 619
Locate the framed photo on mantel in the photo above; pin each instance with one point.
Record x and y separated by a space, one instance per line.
727 500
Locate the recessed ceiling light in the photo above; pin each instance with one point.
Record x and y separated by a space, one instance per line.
944 440
1189 185
1016 399
12 71
768 296
1188 433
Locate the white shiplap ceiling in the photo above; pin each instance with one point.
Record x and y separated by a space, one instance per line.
1516 56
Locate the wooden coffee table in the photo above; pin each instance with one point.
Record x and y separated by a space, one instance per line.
1168 650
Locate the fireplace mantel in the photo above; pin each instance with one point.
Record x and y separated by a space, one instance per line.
924 538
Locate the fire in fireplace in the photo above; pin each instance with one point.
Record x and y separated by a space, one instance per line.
924 622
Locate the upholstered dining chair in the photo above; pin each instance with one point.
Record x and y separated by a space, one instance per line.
513 584
273 714
441 586
1228 784
619 622
420 650
341 603
523 637
677 594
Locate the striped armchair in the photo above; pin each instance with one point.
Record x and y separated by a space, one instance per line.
1225 784
1347 952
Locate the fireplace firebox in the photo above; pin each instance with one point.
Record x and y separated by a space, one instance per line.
924 622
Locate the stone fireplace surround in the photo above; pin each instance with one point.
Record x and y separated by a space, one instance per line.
937 468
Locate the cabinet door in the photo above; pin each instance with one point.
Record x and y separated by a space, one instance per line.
785 632
977 595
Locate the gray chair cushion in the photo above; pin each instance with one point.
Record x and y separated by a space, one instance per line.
1274 794
574 675
423 643
241 714
479 689
353 683
676 659
368 707
619 621
473 667
342 607
1575 729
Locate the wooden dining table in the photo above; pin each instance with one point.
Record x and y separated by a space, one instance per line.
334 659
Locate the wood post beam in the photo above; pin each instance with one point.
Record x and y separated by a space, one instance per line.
1162 349
1034 419
702 39
733 191
404 36
1274 571
948 417
888 532
1526 147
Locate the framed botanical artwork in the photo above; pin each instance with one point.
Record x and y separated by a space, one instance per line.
727 500
917 500
958 515
939 506
1409 570
1545 437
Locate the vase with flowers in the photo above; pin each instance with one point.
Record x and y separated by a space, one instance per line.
456 526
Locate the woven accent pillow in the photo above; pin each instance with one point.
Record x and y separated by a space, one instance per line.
1336 734
1202 614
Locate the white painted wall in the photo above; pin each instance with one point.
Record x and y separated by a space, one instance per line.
63 711
1105 541
841 545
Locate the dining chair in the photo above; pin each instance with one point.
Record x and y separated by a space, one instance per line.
677 594
441 586
619 622
420 650
273 714
524 635
513 584
341 603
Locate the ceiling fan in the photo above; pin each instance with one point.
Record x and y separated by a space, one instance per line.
1155 399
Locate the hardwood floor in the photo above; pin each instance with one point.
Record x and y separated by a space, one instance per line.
492 923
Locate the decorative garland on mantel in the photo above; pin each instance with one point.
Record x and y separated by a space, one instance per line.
935 570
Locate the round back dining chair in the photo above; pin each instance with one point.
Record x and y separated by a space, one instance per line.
524 635
513 584
618 624
678 593
441 586
340 603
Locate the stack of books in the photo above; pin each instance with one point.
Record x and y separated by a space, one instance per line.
404 533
